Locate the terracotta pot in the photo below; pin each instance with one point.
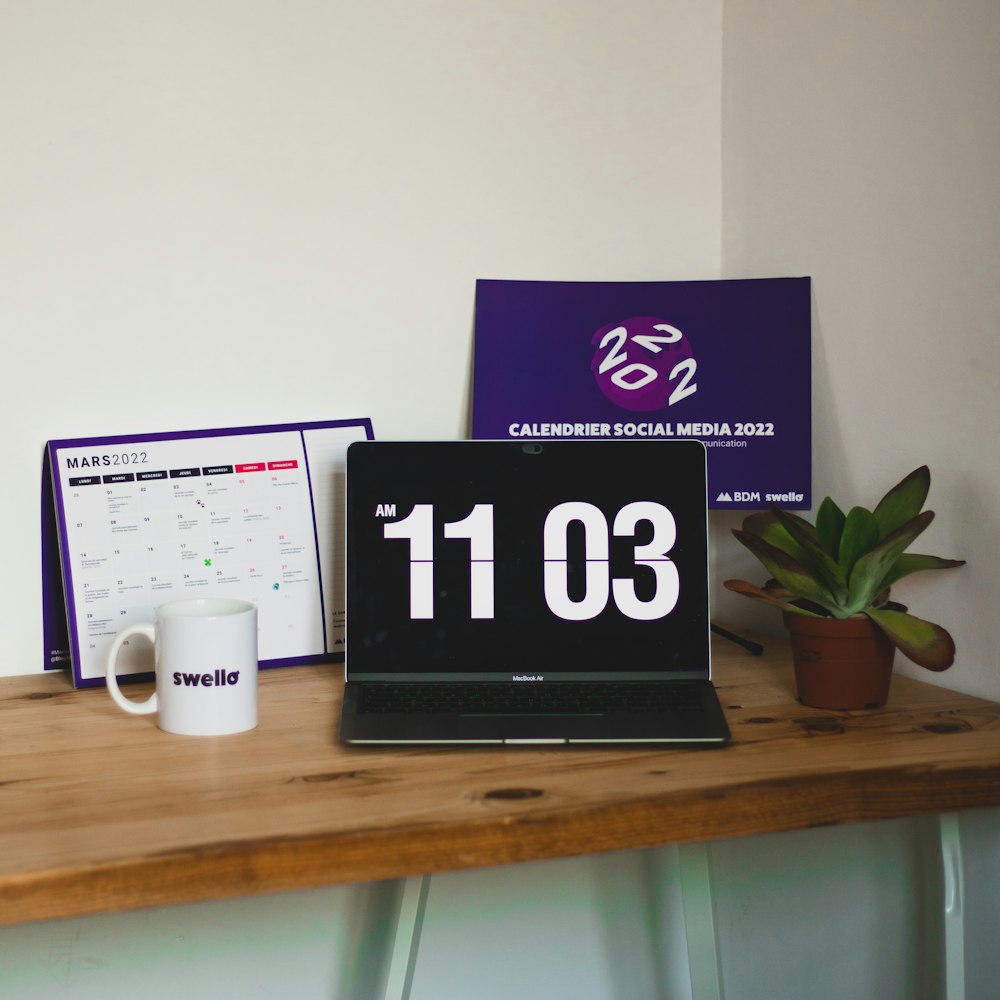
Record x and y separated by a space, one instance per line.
840 663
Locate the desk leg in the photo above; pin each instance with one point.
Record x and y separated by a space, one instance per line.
699 922
409 923
954 905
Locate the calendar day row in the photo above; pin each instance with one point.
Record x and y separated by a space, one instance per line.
191 472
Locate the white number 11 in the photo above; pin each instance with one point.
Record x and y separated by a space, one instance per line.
418 529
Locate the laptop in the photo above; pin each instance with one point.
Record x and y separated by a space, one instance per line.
542 592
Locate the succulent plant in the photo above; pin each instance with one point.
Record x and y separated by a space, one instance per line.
845 564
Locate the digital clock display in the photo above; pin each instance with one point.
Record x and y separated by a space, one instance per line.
549 558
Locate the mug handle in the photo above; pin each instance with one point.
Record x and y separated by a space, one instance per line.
146 707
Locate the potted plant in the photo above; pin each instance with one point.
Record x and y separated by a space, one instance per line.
832 579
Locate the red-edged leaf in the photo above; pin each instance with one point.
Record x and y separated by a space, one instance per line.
765 596
925 643
816 558
870 571
910 562
788 572
904 501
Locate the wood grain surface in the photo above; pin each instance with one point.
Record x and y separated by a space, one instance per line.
101 811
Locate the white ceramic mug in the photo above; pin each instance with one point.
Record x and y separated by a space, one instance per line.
205 652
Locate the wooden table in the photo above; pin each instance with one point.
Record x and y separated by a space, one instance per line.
100 811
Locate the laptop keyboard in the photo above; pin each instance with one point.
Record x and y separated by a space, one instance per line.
563 698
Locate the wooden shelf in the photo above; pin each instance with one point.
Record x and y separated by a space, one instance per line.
100 811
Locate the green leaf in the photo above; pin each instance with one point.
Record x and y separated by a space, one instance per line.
870 571
912 563
765 525
925 643
815 557
798 527
904 501
829 526
861 534
788 572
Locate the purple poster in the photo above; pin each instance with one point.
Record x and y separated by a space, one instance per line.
726 362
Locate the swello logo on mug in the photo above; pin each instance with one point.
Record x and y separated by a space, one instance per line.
205 651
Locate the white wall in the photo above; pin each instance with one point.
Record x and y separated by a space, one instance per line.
248 211
861 146
224 213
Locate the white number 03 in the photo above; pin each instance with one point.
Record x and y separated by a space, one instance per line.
598 580
418 529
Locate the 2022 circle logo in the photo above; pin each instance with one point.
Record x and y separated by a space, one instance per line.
643 364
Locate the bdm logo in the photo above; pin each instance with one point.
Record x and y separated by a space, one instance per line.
219 679
643 364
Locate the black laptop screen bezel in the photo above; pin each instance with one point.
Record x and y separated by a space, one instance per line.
522 481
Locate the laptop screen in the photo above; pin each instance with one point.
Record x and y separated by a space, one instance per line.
500 560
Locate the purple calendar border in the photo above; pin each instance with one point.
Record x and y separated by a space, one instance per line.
58 599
